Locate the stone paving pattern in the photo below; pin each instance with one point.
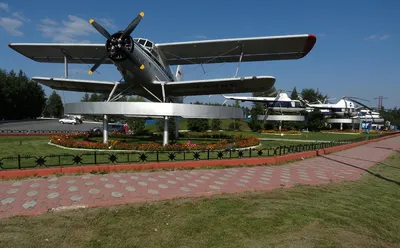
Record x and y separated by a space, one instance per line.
35 196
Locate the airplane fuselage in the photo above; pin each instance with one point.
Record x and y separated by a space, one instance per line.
156 69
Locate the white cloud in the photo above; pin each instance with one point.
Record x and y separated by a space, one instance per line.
376 36
107 22
11 26
48 21
5 7
385 37
21 17
72 30
371 37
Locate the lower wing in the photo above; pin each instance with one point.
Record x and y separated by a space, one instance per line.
92 86
219 86
79 85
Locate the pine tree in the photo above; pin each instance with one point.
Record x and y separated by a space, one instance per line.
294 95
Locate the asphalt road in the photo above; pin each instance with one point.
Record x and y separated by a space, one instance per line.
47 125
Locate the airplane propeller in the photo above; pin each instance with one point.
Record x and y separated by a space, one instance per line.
118 44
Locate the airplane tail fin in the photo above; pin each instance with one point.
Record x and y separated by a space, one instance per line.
179 73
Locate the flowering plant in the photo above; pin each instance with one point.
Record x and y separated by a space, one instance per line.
69 140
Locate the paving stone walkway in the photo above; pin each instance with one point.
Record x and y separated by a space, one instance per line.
35 196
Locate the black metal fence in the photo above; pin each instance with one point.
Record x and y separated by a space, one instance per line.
110 157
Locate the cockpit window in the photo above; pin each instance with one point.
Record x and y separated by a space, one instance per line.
149 44
141 42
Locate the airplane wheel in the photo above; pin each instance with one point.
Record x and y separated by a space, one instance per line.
61 122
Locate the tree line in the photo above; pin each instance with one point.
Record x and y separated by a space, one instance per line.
20 97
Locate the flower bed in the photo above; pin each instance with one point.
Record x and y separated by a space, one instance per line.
70 140
349 131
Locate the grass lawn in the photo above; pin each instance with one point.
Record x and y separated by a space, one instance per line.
362 213
12 146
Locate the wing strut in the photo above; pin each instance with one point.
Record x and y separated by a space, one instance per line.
112 91
65 67
151 93
240 60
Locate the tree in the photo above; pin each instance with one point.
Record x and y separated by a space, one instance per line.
20 97
312 95
137 125
95 98
136 99
198 125
315 120
85 98
215 124
254 124
294 95
55 106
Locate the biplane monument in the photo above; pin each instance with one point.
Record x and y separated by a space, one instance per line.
144 66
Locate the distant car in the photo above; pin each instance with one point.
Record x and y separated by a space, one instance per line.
117 128
69 120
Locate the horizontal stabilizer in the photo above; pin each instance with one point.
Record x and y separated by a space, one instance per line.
219 86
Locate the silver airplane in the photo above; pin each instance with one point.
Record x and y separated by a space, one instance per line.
281 103
144 65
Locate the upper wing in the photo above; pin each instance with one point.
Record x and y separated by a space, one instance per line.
229 50
55 52
219 86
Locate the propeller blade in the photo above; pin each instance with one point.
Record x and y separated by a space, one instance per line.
98 64
101 30
133 59
132 26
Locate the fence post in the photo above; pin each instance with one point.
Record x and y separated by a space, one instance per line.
157 156
208 154
95 157
19 161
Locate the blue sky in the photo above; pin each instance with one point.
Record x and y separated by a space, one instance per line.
357 50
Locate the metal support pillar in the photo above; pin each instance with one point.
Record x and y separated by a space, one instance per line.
280 125
65 67
166 131
165 134
105 129
341 126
